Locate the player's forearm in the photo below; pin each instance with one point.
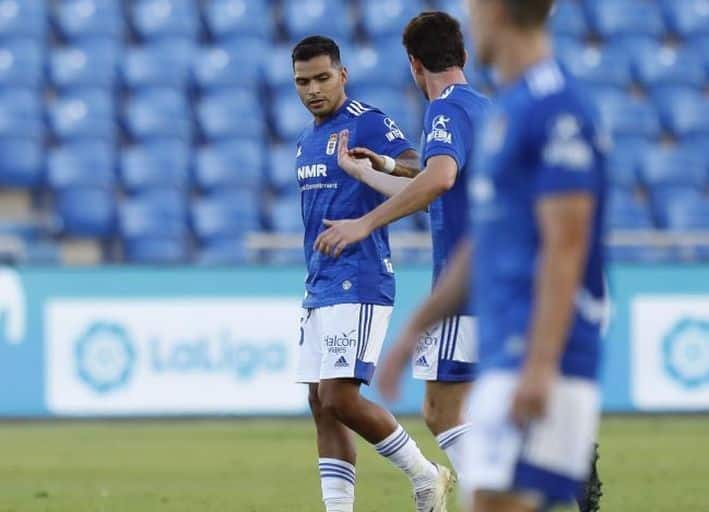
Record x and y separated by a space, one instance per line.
451 291
407 167
384 183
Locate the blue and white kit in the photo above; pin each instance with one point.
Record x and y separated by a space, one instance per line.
540 140
448 351
348 300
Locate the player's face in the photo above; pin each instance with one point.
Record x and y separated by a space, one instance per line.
320 85
483 17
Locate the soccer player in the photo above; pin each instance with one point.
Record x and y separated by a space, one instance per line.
348 301
445 355
538 199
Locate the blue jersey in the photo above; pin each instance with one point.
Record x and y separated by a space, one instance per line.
363 273
540 140
449 128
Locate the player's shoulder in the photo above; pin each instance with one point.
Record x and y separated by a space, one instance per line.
457 100
550 89
360 111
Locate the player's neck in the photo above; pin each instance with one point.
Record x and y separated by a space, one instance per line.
522 51
436 83
321 119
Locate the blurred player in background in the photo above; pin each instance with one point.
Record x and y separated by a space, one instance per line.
538 197
348 300
445 355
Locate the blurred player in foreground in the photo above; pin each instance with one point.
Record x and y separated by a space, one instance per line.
538 198
445 354
349 300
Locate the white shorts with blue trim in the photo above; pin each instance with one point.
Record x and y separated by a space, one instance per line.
550 460
343 341
447 352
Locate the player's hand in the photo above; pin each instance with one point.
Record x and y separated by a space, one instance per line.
340 235
375 159
348 160
531 398
397 359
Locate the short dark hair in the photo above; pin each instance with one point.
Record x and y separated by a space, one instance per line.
435 38
529 13
315 46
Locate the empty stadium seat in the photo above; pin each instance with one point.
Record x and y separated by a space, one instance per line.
236 163
286 216
79 19
226 251
22 162
290 117
20 113
388 17
282 176
383 64
85 164
155 165
21 63
278 69
156 250
157 113
687 18
85 212
685 210
236 63
623 114
684 111
83 114
94 64
626 212
626 160
700 46
402 108
676 166
232 113
159 18
226 215
164 63
664 66
227 18
27 18
607 65
569 18
610 18
325 17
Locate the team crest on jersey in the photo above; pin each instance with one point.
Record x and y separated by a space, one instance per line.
439 130
394 131
331 145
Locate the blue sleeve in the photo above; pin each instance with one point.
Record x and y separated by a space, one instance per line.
382 135
566 155
446 133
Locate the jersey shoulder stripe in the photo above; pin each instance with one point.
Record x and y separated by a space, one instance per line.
357 109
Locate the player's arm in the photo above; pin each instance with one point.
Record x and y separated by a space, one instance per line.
450 293
405 165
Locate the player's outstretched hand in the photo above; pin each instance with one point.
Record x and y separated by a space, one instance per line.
350 161
533 393
390 370
339 235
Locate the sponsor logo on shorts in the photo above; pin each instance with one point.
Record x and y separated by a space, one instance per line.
426 341
340 343
342 363
422 362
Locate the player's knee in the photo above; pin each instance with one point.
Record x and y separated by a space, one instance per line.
437 418
336 401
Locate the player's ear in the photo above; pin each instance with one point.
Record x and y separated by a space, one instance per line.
344 75
465 57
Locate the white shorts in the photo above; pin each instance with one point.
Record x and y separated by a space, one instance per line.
550 460
341 342
448 352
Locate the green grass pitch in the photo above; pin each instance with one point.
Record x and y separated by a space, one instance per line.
648 464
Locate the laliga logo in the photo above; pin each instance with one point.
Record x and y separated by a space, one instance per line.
13 320
105 357
686 352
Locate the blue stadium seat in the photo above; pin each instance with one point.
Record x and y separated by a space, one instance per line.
700 46
608 65
290 117
326 17
665 66
159 18
282 175
83 114
157 113
94 64
232 113
79 19
383 64
677 166
286 216
164 63
26 18
403 109
226 251
388 17
686 18
155 165
85 164
86 212
158 250
569 18
627 212
623 114
226 215
685 210
21 63
22 162
626 160
684 112
20 113
236 63
226 18
285 257
236 163
610 18
279 69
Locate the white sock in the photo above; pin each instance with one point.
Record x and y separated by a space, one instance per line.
337 479
450 442
403 452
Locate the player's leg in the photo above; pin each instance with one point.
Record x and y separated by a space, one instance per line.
492 502
589 500
336 449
